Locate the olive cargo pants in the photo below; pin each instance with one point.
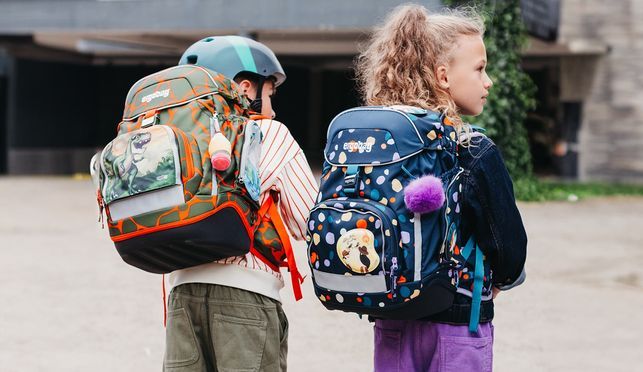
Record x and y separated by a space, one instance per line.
217 328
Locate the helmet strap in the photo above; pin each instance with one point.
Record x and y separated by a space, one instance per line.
257 103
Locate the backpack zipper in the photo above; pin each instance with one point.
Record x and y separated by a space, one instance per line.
101 208
444 250
394 276
188 153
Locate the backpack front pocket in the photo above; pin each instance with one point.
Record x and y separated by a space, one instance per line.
142 172
250 157
190 160
353 246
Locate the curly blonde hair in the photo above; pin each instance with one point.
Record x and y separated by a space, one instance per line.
398 66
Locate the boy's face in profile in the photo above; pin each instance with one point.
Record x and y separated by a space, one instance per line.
250 90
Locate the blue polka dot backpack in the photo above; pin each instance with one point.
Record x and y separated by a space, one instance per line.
383 238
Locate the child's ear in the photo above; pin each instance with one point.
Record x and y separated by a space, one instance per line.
244 86
441 73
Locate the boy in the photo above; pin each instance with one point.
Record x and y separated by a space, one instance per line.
227 315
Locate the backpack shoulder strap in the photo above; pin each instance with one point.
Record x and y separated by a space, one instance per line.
269 208
259 117
478 278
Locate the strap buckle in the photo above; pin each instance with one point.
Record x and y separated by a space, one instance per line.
150 118
351 179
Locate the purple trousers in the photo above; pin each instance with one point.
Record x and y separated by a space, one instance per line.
414 346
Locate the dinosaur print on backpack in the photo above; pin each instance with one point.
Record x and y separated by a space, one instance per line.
134 164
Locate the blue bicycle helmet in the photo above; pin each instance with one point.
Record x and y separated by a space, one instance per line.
231 55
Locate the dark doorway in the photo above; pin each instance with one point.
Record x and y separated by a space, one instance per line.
79 112
3 126
313 94
57 131
543 123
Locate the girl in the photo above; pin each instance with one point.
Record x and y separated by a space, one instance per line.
437 62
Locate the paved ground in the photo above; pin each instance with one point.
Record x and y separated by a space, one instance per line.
70 304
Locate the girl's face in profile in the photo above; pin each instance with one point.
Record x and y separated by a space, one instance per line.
465 76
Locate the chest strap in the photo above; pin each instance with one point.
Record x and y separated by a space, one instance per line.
351 180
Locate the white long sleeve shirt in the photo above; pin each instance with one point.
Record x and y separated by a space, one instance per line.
283 168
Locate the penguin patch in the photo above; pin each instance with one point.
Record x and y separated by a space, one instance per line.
356 250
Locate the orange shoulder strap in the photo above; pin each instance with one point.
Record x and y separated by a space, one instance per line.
270 207
259 117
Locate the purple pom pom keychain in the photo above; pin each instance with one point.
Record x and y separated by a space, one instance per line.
424 195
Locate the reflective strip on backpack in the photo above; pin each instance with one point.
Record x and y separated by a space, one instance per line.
417 221
350 283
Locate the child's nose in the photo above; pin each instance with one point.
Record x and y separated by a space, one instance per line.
488 82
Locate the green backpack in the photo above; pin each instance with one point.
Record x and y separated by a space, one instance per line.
166 208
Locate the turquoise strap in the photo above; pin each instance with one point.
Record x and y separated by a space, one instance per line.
478 129
350 179
468 248
476 298
478 278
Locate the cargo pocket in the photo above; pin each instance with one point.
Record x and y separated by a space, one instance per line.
180 348
238 343
465 354
388 343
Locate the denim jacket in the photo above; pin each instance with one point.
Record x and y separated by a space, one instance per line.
490 213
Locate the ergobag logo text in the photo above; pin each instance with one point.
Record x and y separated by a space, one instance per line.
159 93
358 146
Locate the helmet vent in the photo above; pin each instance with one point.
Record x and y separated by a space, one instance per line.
208 39
192 59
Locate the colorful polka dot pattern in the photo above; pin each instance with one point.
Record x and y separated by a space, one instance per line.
362 146
462 268
342 215
348 238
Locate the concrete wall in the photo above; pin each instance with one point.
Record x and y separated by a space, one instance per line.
30 15
57 112
611 137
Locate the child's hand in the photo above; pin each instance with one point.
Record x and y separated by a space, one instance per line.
494 292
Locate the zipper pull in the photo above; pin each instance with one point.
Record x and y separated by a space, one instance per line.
101 208
215 127
394 276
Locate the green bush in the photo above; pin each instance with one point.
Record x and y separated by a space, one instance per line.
513 92
512 96
531 189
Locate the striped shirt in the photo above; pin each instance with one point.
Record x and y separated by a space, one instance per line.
283 168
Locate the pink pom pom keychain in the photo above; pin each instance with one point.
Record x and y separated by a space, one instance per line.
424 195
